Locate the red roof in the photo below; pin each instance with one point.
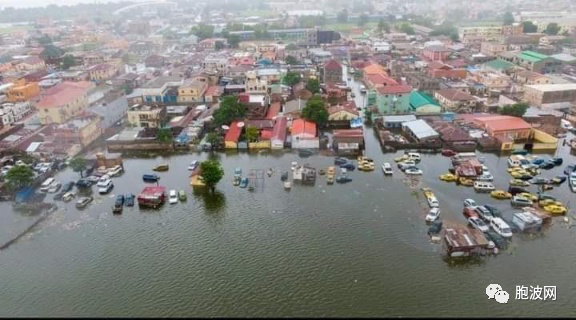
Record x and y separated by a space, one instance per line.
349 133
266 134
62 94
279 131
233 134
503 123
332 65
273 110
301 126
379 78
338 108
401 88
213 90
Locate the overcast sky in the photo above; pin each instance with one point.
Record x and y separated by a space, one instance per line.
42 3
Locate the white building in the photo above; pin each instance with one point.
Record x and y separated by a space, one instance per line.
380 46
14 112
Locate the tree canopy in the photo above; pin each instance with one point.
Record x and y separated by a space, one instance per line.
251 134
291 60
164 134
362 19
552 29
313 85
342 16
383 27
67 62
406 28
19 176
291 78
516 110
203 31
508 18
51 51
529 27
214 139
230 109
212 173
315 111
78 164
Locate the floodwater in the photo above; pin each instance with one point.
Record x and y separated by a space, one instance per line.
358 249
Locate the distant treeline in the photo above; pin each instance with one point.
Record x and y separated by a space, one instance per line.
56 12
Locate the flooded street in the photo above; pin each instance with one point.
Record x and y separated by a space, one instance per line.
358 249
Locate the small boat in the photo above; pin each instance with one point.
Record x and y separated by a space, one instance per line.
243 182
161 167
129 200
321 172
284 176
287 185
270 172
150 177
193 165
182 195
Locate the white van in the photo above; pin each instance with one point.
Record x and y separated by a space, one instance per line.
515 160
414 156
566 124
501 227
46 184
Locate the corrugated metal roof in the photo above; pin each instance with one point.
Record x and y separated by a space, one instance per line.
421 129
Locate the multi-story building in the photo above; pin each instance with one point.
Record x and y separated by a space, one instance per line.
101 72
146 116
11 113
63 102
436 53
422 82
393 99
32 63
542 94
22 90
538 62
255 85
488 33
161 89
530 77
332 72
82 130
192 90
454 99
492 48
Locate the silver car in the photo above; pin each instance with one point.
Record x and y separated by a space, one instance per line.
478 224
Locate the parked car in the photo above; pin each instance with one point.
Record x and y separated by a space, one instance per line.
83 202
433 214
173 197
557 161
348 166
558 179
569 169
519 201
484 213
68 186
406 164
468 203
516 190
539 180
55 187
413 171
501 227
478 224
538 161
83 183
547 165
493 210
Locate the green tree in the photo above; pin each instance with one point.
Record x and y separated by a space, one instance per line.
508 19
251 134
78 165
230 109
214 139
362 19
219 45
516 110
164 135
552 29
18 177
315 111
291 60
342 16
203 31
233 40
67 62
291 78
406 28
529 27
368 116
383 27
50 52
313 85
212 173
44 40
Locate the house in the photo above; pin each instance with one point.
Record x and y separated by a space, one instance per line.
538 62
10 113
504 128
332 72
32 63
270 75
348 141
101 72
436 53
162 89
454 137
491 80
63 102
530 77
438 69
111 109
543 94
420 131
255 85
238 73
393 99
422 103
377 80
454 99
499 65
155 61
395 122
82 130
344 112
192 90
546 120
492 48
278 137
22 91
422 82
304 135
212 44
232 136
146 116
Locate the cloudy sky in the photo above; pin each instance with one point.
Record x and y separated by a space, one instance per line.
41 3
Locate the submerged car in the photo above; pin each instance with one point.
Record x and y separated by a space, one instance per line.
468 203
519 201
478 224
433 214
413 171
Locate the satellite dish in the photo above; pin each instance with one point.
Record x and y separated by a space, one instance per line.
240 124
225 127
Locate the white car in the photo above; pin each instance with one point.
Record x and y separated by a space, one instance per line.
172 197
433 214
406 164
469 203
117 170
478 224
413 171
